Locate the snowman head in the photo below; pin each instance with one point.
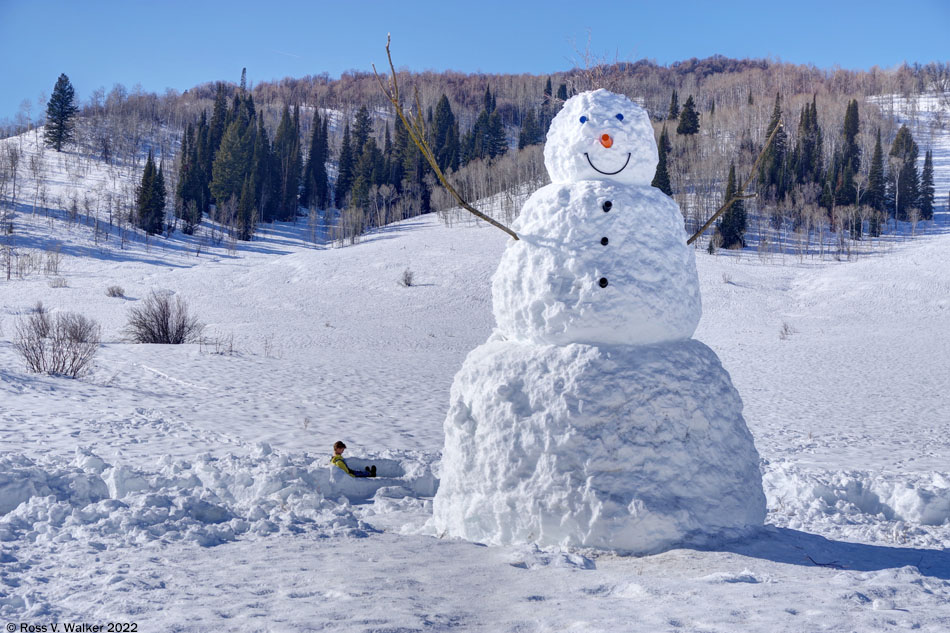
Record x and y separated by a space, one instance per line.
600 135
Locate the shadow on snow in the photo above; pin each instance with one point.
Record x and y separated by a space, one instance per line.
793 547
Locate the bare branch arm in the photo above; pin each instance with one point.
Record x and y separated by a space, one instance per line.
739 194
417 134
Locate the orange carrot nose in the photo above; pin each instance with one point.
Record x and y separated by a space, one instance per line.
606 141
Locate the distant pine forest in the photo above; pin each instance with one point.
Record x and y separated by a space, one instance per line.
333 150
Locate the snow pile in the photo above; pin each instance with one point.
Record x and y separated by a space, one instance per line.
887 505
547 288
589 417
207 500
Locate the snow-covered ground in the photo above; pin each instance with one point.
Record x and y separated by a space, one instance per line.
188 488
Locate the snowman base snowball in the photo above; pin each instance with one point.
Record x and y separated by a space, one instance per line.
633 449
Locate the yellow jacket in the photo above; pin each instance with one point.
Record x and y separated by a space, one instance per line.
337 460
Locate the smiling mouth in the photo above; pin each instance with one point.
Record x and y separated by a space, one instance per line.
607 173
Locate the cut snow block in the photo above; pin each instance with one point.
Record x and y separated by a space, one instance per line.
633 449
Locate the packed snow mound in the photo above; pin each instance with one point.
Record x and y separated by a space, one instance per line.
207 500
600 135
548 287
628 448
886 505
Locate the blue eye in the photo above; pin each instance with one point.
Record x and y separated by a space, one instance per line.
620 117
583 119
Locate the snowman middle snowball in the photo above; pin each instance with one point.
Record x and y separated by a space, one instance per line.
602 257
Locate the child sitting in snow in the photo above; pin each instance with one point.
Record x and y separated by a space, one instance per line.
337 460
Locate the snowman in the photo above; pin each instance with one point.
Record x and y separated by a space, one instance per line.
590 417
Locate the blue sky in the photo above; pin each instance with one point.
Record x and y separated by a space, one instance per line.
176 44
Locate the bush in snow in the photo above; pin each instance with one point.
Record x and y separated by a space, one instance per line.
61 345
115 291
164 320
58 282
406 278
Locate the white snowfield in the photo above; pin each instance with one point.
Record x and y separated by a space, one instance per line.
188 490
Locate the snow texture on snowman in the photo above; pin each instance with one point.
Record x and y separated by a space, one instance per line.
590 417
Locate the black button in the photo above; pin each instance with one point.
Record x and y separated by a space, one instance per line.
607 205
604 241
603 282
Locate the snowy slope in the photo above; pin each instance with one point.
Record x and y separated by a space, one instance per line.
928 117
184 489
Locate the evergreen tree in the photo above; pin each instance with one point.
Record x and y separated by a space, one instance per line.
232 161
245 210
772 169
468 147
851 152
689 118
414 169
827 199
203 138
876 192
806 159
398 157
369 173
265 177
388 154
750 101
289 164
733 223
478 143
143 194
445 140
927 188
849 158
219 123
489 101
530 133
661 180
346 165
190 195
59 113
315 170
150 198
903 179
674 112
497 139
562 93
362 127
323 180
158 200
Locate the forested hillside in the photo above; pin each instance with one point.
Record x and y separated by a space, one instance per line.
333 151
